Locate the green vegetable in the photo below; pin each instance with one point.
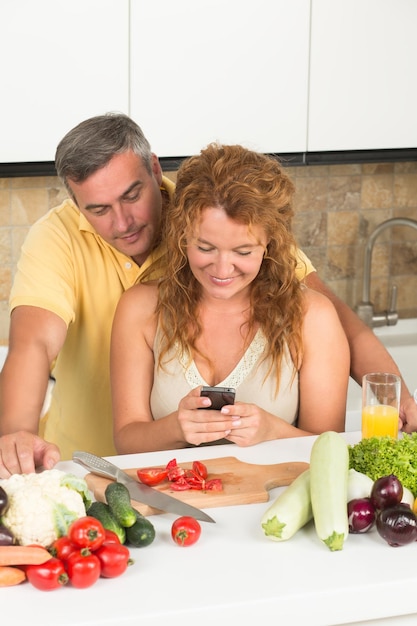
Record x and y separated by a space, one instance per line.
382 456
142 533
118 498
290 511
329 472
102 512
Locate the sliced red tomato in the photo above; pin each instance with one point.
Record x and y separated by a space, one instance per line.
214 484
152 475
174 473
200 469
181 479
181 484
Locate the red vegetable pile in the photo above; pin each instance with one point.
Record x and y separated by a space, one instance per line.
81 557
180 479
395 522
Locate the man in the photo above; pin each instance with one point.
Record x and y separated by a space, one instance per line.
75 263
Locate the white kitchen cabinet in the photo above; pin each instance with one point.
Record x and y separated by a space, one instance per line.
363 65
61 62
299 76
234 71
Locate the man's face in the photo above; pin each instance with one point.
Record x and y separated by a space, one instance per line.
123 203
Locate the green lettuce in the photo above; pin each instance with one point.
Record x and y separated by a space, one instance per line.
382 456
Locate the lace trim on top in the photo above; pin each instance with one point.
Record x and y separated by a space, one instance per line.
240 372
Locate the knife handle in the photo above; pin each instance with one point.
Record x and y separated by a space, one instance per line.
96 464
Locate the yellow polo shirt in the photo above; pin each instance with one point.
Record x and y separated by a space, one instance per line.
67 268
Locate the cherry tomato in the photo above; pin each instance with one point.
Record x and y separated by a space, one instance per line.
152 475
185 530
48 576
86 532
114 559
83 568
62 548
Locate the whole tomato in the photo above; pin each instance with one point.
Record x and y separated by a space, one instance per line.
111 537
47 576
83 568
114 559
62 548
185 530
86 532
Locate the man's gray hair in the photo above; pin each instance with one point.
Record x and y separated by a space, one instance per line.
94 142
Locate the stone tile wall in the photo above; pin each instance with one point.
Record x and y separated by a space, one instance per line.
337 207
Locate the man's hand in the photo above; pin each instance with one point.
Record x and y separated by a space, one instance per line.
408 415
23 452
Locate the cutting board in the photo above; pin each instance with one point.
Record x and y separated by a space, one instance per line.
243 483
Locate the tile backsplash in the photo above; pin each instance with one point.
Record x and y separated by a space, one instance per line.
337 208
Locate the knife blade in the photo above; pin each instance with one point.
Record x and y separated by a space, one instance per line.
138 491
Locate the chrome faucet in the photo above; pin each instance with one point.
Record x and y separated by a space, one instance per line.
365 309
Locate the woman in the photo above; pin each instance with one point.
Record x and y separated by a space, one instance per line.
230 311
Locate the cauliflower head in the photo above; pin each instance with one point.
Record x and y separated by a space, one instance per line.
42 506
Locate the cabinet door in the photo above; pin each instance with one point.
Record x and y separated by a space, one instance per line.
363 68
61 62
233 71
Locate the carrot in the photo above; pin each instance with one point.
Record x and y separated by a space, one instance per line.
23 555
11 576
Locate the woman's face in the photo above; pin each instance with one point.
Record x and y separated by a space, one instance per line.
224 255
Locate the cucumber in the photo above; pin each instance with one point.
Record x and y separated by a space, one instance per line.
118 498
290 511
329 472
142 533
101 511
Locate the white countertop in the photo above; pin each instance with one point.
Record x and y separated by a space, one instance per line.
234 572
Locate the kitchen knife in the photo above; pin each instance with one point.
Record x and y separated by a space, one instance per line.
138 491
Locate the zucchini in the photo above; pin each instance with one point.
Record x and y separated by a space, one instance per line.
101 511
290 511
142 533
329 471
118 498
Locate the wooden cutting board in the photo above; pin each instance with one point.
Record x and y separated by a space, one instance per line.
243 483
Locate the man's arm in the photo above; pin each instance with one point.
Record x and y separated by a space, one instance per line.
367 352
36 336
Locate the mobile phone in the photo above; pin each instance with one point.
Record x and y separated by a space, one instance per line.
219 396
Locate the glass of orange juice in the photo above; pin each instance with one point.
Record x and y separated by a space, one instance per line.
380 405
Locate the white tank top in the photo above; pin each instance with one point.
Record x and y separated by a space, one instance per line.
178 377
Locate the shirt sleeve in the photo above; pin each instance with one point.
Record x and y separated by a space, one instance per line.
45 277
